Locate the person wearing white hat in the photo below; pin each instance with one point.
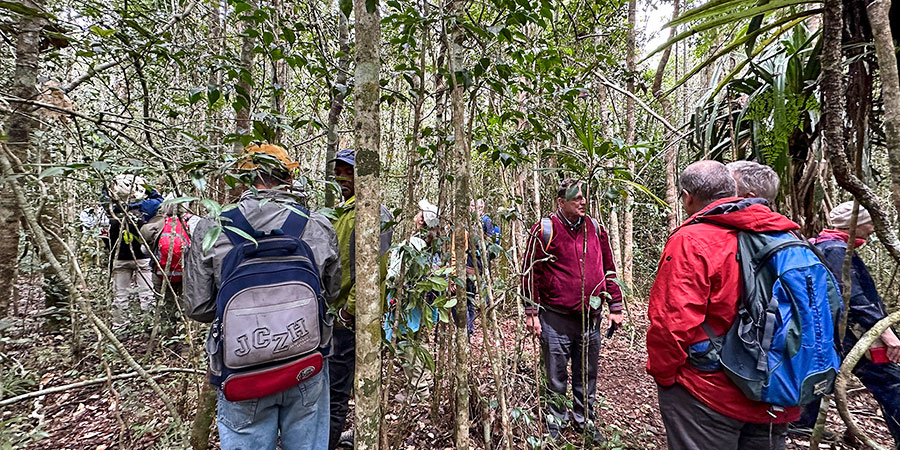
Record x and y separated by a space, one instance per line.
880 376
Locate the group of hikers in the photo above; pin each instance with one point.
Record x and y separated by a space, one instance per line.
744 312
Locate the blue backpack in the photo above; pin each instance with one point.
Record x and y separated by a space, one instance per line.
781 348
269 332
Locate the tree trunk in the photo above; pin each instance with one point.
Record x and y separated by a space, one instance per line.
279 74
207 399
671 149
18 130
879 17
628 238
244 88
206 411
461 222
833 110
367 128
338 94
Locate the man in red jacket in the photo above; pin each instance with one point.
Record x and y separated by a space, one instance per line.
698 280
563 273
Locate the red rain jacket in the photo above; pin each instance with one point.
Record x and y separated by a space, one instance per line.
699 279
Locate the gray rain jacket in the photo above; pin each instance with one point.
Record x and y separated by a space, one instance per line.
203 270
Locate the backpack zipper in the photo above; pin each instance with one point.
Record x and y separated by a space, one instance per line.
273 259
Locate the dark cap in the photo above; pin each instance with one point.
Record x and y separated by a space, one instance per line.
346 156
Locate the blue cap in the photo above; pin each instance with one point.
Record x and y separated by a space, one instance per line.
346 156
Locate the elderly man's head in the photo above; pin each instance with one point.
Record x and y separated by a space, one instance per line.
704 182
754 180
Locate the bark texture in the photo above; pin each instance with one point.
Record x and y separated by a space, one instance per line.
628 232
18 128
833 110
879 17
244 85
461 221
671 148
367 129
339 92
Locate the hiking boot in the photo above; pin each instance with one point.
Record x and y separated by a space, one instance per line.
807 432
554 433
592 434
346 439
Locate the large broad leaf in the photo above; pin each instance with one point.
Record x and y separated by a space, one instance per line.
742 40
210 238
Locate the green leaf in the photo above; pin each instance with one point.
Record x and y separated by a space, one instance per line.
451 302
242 234
213 94
439 283
179 200
211 236
212 206
195 94
52 172
596 302
21 9
104 33
346 7
371 5
240 7
100 166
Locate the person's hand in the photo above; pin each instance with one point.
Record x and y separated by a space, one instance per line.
892 344
346 319
533 324
616 317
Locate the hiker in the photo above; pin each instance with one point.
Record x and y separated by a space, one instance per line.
422 255
169 238
697 287
753 179
560 281
259 289
487 225
342 364
131 205
881 375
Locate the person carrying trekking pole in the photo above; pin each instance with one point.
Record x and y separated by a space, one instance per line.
263 284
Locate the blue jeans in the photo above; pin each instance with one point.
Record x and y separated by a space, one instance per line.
301 414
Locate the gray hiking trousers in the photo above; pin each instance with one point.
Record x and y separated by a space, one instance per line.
691 425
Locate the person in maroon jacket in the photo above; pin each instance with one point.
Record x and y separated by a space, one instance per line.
562 274
698 280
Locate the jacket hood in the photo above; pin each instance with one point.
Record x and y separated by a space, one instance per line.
751 214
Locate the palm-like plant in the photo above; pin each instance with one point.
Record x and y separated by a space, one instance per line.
770 114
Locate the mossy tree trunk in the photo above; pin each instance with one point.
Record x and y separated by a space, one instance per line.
367 129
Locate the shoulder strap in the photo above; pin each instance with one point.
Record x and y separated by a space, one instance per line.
596 227
546 232
295 223
237 221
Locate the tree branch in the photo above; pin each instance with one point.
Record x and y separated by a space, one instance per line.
101 380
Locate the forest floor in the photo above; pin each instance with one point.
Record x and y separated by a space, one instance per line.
130 416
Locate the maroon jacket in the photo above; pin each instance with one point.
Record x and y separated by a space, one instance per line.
556 283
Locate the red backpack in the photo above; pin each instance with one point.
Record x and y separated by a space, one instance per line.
173 241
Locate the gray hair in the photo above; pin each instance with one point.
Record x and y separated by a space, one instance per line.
750 176
707 181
